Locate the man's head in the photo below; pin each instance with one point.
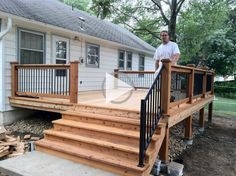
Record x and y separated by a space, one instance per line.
165 38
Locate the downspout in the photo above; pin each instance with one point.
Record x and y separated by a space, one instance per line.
2 62
8 29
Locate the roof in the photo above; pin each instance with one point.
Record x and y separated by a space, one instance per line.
58 14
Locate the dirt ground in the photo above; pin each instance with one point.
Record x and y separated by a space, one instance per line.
214 152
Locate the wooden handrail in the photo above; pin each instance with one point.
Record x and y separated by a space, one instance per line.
59 66
135 72
43 78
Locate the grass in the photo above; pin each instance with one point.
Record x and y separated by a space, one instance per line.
224 106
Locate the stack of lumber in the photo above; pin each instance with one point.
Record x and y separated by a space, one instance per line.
12 146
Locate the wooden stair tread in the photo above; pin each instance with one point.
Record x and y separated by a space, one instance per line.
132 121
89 140
85 153
97 127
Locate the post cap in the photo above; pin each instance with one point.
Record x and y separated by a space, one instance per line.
166 60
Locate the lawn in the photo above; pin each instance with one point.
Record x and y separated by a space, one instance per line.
224 106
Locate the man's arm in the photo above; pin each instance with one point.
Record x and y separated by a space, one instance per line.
175 58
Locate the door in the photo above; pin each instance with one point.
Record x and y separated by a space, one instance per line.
60 53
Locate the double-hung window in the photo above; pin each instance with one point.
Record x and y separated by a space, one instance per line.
92 53
121 60
31 47
129 61
141 64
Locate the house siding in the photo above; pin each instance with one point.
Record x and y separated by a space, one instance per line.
89 78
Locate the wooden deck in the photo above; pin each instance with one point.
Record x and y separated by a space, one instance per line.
112 136
89 98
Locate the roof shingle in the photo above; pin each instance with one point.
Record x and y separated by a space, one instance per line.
58 14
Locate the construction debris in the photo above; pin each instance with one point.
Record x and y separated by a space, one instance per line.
2 132
13 146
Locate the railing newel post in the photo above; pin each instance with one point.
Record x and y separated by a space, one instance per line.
204 84
74 81
14 78
166 86
142 134
191 83
116 73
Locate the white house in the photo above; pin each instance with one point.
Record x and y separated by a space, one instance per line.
50 32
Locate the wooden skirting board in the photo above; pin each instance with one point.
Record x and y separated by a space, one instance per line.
38 104
178 115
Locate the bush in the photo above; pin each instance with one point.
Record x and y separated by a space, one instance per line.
225 89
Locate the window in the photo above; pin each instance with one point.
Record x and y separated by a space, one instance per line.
129 61
141 64
121 62
61 53
92 52
31 47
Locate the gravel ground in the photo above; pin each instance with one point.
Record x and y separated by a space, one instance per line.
34 125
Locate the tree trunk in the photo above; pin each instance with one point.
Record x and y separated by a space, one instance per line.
172 22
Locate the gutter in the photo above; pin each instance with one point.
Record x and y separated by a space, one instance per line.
8 29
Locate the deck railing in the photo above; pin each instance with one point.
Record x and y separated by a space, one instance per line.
150 115
173 85
45 80
136 79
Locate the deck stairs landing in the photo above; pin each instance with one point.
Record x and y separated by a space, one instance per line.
101 137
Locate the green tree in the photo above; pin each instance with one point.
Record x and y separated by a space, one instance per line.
199 21
79 4
102 8
220 53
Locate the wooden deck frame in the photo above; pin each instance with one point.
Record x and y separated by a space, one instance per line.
173 112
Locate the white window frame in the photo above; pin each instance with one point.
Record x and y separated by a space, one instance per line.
90 65
127 53
19 43
139 62
54 39
121 51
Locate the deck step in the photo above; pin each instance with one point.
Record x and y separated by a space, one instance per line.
93 144
80 107
107 120
97 131
98 128
69 151
66 135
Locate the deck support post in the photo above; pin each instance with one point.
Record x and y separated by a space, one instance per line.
166 86
188 131
201 119
164 150
74 81
14 78
210 112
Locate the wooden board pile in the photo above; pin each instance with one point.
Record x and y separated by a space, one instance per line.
12 146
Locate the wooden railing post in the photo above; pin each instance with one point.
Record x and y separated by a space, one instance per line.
166 86
191 83
116 73
14 78
74 81
212 83
204 84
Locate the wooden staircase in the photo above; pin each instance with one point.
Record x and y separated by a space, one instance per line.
100 137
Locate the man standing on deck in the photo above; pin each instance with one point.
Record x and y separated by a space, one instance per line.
167 50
